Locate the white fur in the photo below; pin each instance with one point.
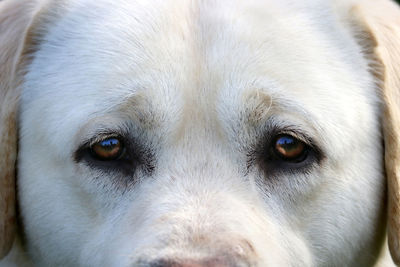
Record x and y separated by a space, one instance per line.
198 81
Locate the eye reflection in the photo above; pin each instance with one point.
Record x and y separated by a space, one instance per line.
108 149
290 148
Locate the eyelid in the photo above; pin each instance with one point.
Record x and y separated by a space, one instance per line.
275 127
298 128
98 128
101 137
296 134
300 135
274 130
90 141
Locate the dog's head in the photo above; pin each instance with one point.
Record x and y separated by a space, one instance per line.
200 133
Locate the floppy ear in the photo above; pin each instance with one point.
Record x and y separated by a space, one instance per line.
381 22
15 20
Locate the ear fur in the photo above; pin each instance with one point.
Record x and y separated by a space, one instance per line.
15 20
381 21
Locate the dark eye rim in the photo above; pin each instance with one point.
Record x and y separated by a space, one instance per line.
84 152
133 156
263 155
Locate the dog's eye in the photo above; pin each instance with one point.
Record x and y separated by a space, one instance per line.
289 148
108 149
286 151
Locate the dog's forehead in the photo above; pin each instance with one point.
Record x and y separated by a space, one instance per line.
200 58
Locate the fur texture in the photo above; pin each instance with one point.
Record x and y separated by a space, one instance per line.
198 91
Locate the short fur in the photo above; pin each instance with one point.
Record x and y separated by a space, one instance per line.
198 89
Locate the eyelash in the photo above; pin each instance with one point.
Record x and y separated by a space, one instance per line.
133 156
264 157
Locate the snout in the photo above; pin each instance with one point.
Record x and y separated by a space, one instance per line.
191 223
236 254
213 262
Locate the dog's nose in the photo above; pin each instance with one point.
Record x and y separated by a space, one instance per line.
190 263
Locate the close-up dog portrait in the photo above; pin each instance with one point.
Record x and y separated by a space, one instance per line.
199 133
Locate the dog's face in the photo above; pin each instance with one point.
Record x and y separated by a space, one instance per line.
176 133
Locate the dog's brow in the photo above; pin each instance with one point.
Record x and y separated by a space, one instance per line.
289 105
262 106
141 109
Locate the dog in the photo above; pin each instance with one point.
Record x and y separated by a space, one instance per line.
199 133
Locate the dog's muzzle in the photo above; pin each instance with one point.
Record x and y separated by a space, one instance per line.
226 261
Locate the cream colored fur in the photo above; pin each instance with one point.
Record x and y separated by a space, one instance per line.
198 87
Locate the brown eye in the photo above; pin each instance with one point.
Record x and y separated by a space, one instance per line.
290 149
108 149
